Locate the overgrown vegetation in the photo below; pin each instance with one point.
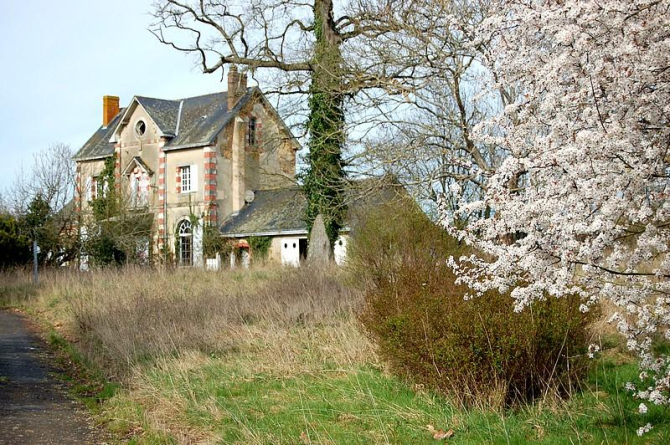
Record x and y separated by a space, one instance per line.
213 243
260 246
39 207
51 230
14 245
323 178
117 234
156 315
479 350
277 356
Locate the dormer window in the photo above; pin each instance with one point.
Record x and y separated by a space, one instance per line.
251 133
140 128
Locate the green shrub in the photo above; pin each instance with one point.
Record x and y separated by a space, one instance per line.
260 246
479 351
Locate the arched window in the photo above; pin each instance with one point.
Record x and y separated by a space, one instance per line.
185 237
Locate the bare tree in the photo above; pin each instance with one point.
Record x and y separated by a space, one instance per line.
51 175
424 135
49 182
331 53
429 147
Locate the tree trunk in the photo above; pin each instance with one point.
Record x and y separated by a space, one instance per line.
324 179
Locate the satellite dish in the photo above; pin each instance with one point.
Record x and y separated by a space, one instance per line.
249 196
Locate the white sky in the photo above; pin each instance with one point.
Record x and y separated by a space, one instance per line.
59 58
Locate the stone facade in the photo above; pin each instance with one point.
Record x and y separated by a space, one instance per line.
188 160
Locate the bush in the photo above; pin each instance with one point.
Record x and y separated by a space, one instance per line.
479 351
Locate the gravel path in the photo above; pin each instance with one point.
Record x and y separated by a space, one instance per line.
34 406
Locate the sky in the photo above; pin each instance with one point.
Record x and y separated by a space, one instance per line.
59 58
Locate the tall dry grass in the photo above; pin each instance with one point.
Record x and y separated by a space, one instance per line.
121 318
16 287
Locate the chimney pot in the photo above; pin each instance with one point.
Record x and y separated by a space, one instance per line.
110 108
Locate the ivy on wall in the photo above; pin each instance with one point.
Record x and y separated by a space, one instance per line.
260 246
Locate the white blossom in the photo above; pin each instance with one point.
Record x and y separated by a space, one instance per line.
643 430
581 204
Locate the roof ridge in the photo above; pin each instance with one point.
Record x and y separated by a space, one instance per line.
156 99
193 97
202 95
182 99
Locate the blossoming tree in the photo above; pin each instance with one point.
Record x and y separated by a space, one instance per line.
581 205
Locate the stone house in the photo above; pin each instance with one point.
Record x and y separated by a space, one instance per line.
198 159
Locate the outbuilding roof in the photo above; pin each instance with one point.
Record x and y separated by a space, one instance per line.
272 212
282 211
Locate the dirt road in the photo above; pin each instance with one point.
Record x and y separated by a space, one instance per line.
34 406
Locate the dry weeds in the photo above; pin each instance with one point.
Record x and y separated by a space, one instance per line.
282 319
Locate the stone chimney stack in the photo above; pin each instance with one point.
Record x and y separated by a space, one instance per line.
238 162
237 86
110 108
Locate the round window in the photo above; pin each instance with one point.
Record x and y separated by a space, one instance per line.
140 128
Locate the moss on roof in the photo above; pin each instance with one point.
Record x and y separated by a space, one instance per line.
271 212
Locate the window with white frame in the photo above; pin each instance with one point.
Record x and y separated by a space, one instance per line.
188 178
102 187
185 240
185 174
139 188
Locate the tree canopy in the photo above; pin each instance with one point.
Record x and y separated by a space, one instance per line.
581 202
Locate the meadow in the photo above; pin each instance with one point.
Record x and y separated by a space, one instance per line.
273 355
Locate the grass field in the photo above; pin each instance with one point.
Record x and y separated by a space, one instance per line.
278 356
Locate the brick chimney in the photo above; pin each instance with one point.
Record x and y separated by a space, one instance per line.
237 86
110 108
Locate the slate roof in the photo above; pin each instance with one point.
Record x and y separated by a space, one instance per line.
271 212
163 112
98 145
201 118
282 211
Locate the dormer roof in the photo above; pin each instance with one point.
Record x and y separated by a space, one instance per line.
137 162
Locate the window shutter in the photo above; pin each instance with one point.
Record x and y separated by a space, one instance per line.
194 178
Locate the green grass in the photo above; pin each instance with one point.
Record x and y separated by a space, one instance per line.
86 383
364 405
